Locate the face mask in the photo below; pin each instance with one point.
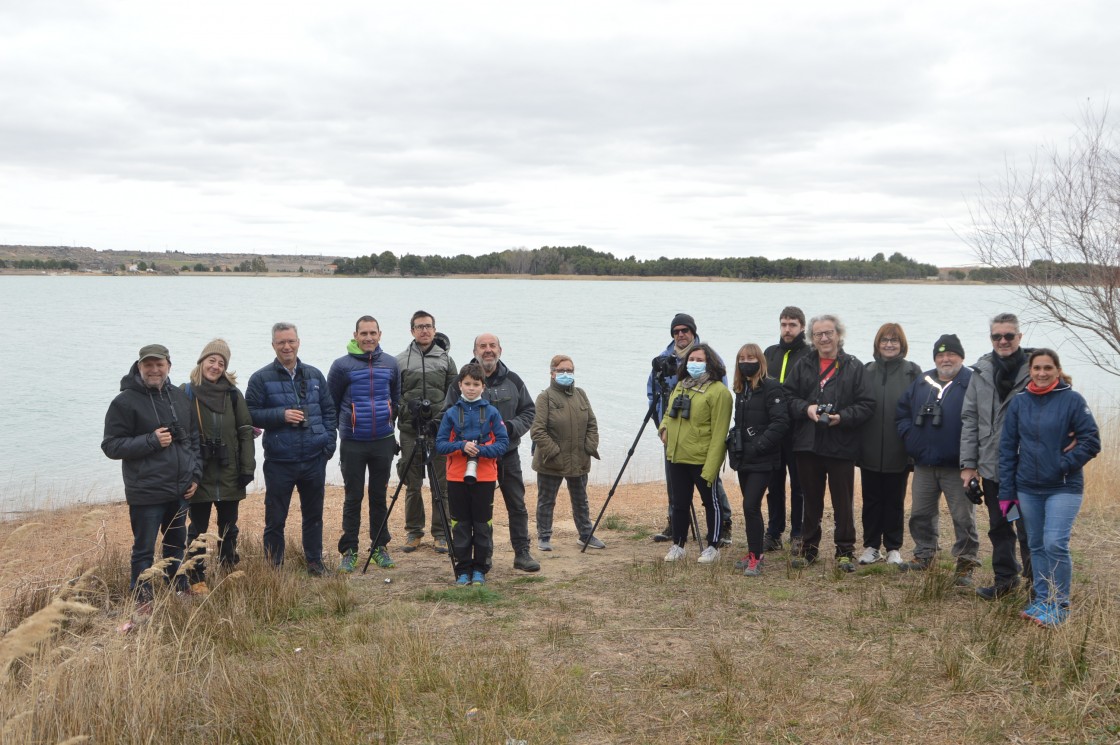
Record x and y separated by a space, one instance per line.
471 400
696 369
747 369
565 378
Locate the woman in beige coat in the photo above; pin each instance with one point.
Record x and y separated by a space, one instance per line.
565 438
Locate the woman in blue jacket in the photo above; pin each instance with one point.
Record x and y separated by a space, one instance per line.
1048 436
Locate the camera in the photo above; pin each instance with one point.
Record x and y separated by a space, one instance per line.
933 411
682 407
178 434
471 474
420 410
663 367
215 450
974 493
824 412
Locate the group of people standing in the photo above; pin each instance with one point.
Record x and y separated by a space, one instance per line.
188 449
1009 433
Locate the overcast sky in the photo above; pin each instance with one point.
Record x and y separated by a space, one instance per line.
822 129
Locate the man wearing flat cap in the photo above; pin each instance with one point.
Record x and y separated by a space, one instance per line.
149 428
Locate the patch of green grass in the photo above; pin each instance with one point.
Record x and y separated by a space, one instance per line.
615 522
525 580
471 595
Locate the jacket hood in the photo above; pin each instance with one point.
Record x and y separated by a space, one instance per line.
353 348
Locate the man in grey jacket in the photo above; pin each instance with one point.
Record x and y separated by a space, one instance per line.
507 393
996 378
149 428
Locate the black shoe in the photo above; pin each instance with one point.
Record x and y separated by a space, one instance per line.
524 561
995 592
665 535
796 545
771 544
316 569
917 564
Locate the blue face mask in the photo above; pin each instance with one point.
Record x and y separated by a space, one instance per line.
565 378
696 369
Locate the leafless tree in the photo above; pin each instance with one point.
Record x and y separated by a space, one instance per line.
1054 228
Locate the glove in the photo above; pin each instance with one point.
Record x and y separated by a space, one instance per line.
1005 505
244 479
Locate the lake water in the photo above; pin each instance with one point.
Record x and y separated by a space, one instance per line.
67 341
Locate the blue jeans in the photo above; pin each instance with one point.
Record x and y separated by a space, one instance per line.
1050 519
279 481
148 521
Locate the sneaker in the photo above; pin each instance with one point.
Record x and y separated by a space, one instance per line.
743 562
1029 613
676 553
917 564
870 555
592 542
770 543
441 545
463 579
200 588
1052 616
478 578
725 532
753 567
996 591
316 569
524 561
348 563
665 535
412 544
544 544
894 558
381 558
845 564
709 555
802 562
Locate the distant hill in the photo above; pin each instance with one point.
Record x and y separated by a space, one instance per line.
84 259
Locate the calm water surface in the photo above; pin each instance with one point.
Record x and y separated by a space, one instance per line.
68 340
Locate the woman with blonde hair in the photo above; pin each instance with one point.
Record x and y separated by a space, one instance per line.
754 444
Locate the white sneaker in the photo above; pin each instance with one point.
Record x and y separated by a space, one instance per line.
710 555
870 555
895 558
676 553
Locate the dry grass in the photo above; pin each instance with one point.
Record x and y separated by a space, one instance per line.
611 646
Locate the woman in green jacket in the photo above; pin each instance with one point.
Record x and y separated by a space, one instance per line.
694 430
565 438
229 462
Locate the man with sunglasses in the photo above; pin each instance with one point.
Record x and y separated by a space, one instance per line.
684 338
996 378
290 401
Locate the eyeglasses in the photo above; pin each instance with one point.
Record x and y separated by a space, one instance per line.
565 371
682 330
890 340
824 334
1005 337
423 327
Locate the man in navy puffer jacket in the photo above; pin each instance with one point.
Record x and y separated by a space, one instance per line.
290 402
365 383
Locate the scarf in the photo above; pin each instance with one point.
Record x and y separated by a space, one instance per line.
1042 391
794 345
1006 369
213 395
695 383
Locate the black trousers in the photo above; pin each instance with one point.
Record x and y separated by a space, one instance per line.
776 496
753 485
683 478
884 508
355 459
1004 535
227 534
472 528
840 475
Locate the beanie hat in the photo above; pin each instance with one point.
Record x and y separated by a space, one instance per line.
683 319
948 343
218 347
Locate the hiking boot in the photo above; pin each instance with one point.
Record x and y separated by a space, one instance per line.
870 555
441 545
725 534
316 569
412 544
382 559
478 578
796 545
463 579
917 564
894 558
845 564
200 588
770 543
753 567
963 572
743 562
802 562
1052 615
349 562
665 535
710 555
676 553
996 591
524 561
592 542
544 544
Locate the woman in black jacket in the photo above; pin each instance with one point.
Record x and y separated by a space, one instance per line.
755 443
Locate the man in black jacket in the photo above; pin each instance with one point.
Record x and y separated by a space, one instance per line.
829 402
149 428
507 393
780 360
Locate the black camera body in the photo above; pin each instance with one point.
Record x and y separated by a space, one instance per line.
303 423
681 407
664 367
824 412
178 433
974 493
933 411
215 450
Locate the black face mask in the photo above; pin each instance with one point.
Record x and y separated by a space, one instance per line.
747 369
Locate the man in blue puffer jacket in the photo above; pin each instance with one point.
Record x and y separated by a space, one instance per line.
365 383
290 402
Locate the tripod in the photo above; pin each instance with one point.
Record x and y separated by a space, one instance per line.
423 447
661 396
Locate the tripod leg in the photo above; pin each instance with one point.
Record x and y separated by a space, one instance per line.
438 503
696 527
389 511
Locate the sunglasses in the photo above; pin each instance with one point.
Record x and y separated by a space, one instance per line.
684 330
1004 337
